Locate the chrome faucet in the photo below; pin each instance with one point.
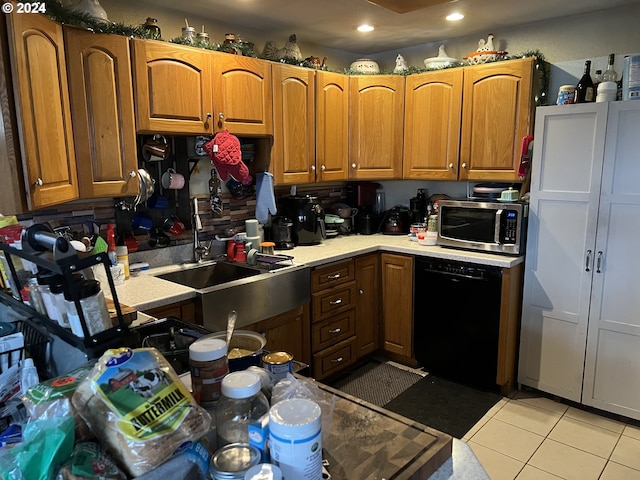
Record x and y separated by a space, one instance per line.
200 250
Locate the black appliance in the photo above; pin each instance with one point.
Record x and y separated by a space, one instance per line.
396 221
281 233
418 206
307 216
490 226
368 223
456 328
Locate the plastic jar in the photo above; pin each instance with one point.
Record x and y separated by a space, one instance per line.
122 255
208 364
57 294
295 438
241 403
566 95
45 280
94 308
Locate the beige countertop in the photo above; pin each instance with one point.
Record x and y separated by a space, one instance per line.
147 291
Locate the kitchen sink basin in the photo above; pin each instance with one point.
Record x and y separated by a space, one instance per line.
255 293
210 275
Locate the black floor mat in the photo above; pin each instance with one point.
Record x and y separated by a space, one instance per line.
444 405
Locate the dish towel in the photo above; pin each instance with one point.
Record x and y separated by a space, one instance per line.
265 198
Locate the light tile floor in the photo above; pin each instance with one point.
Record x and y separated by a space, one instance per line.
532 437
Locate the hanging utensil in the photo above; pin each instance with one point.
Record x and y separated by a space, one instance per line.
215 193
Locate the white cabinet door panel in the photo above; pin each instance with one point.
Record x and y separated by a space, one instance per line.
612 366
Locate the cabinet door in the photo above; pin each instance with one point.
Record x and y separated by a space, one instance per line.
173 89
367 304
242 96
433 108
397 304
497 112
293 156
376 114
43 111
289 332
565 191
332 127
104 129
612 366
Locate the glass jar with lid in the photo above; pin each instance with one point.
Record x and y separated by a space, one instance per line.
240 404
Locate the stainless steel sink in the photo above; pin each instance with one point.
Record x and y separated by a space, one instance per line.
255 293
210 275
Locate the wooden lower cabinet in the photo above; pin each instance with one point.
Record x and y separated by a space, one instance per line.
367 313
333 321
288 332
185 311
397 306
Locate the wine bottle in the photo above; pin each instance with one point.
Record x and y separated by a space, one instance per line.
597 79
585 91
610 75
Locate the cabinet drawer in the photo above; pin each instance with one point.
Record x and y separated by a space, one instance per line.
330 302
331 361
332 275
335 329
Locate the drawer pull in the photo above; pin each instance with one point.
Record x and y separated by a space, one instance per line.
335 276
336 302
335 330
337 360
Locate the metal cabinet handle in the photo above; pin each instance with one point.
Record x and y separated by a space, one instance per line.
133 174
451 165
353 165
221 116
588 261
335 330
361 292
464 165
338 301
599 262
313 168
335 276
209 115
337 360
38 182
323 168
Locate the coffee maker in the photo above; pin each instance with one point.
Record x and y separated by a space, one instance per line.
307 216
362 195
418 206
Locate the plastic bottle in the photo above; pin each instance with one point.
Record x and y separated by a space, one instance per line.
122 256
94 308
111 243
241 403
28 375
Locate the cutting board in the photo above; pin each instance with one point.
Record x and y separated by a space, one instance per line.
129 314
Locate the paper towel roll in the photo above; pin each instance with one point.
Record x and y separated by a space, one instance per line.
251 227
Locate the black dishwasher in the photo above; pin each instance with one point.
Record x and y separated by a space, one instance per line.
457 319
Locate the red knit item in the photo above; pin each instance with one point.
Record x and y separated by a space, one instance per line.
228 157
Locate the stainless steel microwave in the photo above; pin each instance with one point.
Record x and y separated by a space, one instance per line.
489 226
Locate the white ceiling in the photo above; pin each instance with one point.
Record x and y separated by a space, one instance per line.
331 23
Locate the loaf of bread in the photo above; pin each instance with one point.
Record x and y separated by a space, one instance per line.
138 408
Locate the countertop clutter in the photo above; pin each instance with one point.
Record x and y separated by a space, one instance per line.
147 291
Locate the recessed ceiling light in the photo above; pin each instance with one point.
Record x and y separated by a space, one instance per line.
365 28
454 17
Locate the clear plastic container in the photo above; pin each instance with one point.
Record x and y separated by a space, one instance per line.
45 280
94 308
241 403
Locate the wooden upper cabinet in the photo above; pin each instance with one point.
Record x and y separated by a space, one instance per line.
99 68
332 127
433 109
43 111
173 88
497 112
242 99
376 119
293 153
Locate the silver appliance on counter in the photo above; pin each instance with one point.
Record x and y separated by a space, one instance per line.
489 226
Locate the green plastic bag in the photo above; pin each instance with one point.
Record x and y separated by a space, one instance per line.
46 444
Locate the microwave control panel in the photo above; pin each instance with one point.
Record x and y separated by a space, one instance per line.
509 227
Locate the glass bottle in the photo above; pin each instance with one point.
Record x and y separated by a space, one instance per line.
241 403
585 91
597 79
610 75
151 25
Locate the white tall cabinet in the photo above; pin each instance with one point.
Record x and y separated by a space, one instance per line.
580 334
